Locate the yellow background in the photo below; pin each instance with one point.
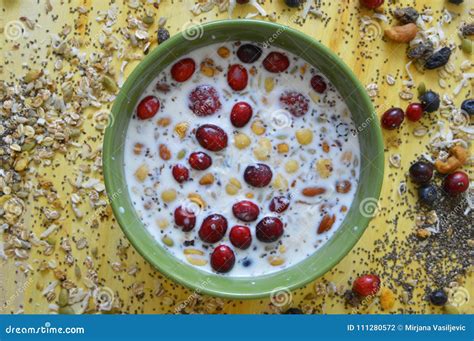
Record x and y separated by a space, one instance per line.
340 30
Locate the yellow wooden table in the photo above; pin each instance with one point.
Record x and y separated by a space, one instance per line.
108 263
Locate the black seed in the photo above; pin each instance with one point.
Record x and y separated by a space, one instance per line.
438 59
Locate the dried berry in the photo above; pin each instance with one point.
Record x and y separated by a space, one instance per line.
468 106
430 101
456 2
420 51
163 34
438 59
292 3
406 15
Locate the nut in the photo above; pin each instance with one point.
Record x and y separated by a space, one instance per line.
168 195
304 136
141 173
233 187
269 84
458 157
181 129
164 152
275 261
326 147
326 223
324 168
193 252
207 179
283 148
291 166
423 233
198 200
387 299
313 191
196 261
167 241
223 52
402 34
263 150
164 122
137 148
280 182
241 140
258 127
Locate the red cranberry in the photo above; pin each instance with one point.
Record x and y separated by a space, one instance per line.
414 111
180 173
249 53
240 114
182 70
237 77
242 2
279 204
296 103
204 100
185 218
148 107
392 118
421 172
211 137
240 237
245 210
200 161
456 183
258 175
318 84
372 4
269 229
213 228
222 259
276 62
366 285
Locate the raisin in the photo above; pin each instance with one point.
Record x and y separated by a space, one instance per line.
438 59
163 34
406 15
467 30
456 2
420 51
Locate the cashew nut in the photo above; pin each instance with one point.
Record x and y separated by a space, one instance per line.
458 157
402 34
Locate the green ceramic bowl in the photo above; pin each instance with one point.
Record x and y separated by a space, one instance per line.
369 137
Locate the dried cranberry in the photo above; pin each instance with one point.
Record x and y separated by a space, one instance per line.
392 118
318 84
185 218
456 183
211 137
421 172
213 228
148 107
222 259
366 285
246 210
180 173
276 62
237 77
414 111
240 114
295 102
240 237
183 69
372 4
249 53
259 175
279 204
200 161
204 100
269 229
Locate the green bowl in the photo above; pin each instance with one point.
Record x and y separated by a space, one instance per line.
370 139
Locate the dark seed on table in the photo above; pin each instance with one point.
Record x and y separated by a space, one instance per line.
467 30
163 34
406 15
420 51
438 59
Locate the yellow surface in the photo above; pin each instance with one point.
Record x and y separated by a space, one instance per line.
338 29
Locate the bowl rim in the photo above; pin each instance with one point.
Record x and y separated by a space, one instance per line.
186 274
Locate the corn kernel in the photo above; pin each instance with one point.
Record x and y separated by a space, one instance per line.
291 166
241 141
168 195
304 136
258 127
283 148
181 129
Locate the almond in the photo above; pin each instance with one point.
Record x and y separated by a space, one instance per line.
165 153
326 223
313 191
402 34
